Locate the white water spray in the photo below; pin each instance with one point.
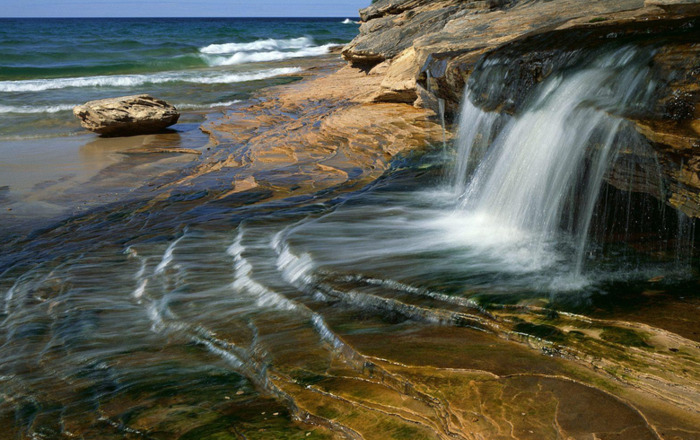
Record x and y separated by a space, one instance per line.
552 157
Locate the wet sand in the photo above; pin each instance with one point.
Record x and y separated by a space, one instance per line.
49 178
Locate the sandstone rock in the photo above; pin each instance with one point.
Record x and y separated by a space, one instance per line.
428 49
399 84
127 115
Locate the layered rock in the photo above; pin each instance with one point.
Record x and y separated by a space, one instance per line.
317 134
126 115
429 49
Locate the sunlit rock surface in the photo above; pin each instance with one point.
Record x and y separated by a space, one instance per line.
429 49
310 276
127 115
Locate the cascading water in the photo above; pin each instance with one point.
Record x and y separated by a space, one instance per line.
548 162
520 203
250 314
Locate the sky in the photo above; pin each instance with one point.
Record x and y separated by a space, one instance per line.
181 8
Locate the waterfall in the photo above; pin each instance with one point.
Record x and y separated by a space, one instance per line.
441 112
539 172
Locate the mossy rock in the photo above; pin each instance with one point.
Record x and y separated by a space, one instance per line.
542 331
624 336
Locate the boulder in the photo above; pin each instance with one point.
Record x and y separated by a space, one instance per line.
126 115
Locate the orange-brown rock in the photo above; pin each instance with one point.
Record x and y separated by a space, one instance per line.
428 50
323 132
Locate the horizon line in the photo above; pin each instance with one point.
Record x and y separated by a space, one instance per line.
197 16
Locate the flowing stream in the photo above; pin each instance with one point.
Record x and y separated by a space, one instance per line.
104 321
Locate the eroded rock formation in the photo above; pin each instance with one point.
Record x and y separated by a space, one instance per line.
429 49
126 115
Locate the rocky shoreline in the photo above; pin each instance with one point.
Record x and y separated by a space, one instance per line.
412 54
209 265
427 50
342 125
319 133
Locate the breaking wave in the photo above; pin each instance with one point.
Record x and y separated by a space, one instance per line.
275 55
26 109
261 51
259 45
200 77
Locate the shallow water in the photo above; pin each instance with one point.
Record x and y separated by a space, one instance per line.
393 311
122 321
51 167
196 64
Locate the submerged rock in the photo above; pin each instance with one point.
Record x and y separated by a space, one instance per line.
126 115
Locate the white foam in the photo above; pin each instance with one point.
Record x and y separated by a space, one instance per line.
155 316
292 267
26 109
244 282
295 268
224 104
140 289
226 355
244 77
348 21
273 55
167 256
264 296
503 246
142 270
8 297
199 77
326 333
259 45
187 106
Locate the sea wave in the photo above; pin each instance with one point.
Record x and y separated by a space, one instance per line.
348 21
25 109
201 77
206 106
228 54
273 55
257 46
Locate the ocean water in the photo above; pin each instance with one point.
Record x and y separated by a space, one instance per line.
52 167
50 65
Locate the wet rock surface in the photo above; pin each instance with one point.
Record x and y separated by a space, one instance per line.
216 336
428 50
127 115
212 327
